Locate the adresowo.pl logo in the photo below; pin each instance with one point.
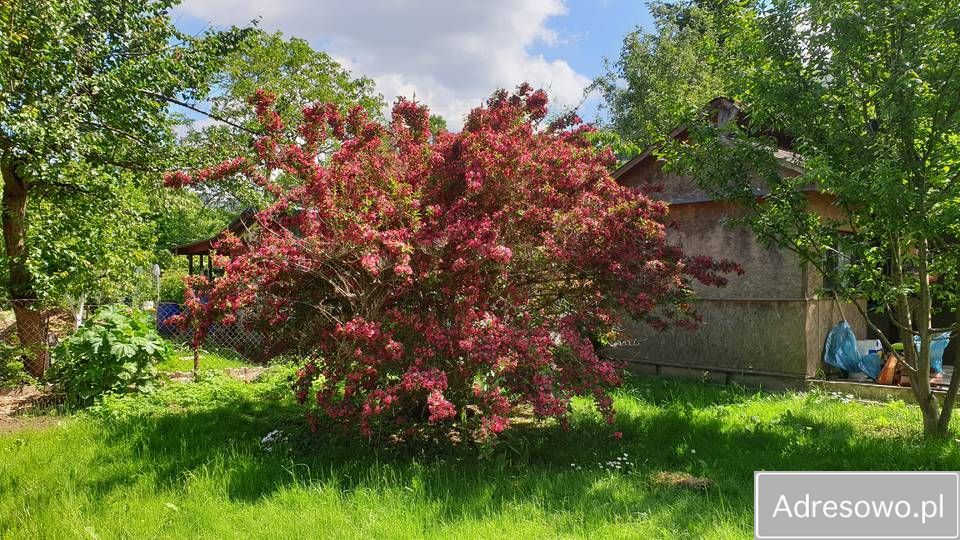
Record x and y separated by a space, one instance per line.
858 505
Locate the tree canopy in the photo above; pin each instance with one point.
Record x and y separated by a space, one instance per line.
85 89
664 75
296 74
868 93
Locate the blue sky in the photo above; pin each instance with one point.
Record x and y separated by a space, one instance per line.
595 29
450 54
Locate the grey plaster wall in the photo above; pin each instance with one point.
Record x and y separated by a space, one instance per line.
769 273
736 335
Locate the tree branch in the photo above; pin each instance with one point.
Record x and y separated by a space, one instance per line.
184 104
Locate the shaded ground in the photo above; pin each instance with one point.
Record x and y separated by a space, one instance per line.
190 461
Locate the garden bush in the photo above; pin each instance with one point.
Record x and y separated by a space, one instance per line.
114 351
443 279
12 372
171 285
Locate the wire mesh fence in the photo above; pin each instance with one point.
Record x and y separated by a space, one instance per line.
238 337
29 333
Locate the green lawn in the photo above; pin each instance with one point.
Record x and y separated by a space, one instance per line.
182 360
188 461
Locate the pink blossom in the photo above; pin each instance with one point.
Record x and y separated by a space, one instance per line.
371 262
501 254
426 277
440 408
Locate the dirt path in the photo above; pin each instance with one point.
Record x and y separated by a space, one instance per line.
241 374
15 406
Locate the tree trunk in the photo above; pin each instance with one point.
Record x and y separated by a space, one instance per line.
917 361
929 405
920 384
920 377
30 327
948 401
196 363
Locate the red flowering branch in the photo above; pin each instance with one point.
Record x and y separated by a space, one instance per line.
437 283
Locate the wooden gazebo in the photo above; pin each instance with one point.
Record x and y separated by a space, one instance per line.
202 248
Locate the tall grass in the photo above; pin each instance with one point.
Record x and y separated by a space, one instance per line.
188 462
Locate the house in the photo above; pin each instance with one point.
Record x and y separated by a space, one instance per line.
766 327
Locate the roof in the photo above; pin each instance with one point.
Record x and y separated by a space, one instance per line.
203 247
723 110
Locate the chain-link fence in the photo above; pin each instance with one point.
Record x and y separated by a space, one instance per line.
29 332
237 337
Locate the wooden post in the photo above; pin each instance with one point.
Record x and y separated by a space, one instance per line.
190 263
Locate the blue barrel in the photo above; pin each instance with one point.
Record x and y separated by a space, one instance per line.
165 310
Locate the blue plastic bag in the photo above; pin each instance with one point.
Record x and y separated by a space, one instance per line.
841 351
938 344
841 348
871 364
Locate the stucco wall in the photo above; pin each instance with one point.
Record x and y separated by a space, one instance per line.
774 338
738 335
769 273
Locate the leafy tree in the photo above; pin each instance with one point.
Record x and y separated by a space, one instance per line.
293 71
437 124
91 246
182 216
445 280
623 150
869 92
84 91
663 76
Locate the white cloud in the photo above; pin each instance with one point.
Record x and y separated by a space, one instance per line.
196 124
452 54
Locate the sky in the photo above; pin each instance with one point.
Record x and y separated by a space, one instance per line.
449 54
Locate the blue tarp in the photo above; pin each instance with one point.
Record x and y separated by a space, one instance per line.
841 351
938 344
165 310
871 364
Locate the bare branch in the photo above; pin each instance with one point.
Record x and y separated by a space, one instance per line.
184 104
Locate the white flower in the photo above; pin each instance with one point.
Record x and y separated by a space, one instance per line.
270 438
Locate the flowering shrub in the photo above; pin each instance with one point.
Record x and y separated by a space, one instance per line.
441 281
